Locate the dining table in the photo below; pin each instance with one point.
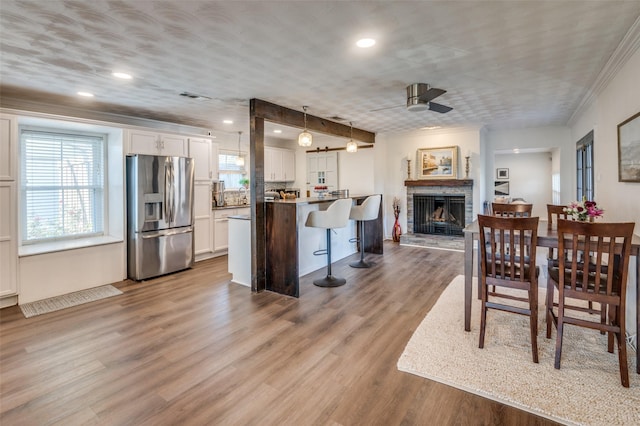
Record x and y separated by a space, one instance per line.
548 238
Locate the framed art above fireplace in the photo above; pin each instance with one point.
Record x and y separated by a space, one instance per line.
437 163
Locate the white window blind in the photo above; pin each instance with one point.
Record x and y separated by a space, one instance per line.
62 184
229 171
227 162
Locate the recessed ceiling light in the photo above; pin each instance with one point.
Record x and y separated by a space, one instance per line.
122 75
429 127
85 94
227 121
277 131
365 42
516 151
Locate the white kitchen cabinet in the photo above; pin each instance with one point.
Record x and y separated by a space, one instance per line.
151 143
203 220
8 244
279 165
205 154
8 147
288 165
221 231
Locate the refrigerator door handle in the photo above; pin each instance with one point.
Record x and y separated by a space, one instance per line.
173 194
167 196
157 234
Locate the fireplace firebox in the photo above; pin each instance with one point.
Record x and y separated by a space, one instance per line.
438 206
438 214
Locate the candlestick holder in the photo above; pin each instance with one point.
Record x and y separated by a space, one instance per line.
408 169
466 167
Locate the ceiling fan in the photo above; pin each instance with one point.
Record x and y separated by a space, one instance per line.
419 97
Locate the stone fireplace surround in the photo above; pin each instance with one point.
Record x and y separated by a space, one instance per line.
439 187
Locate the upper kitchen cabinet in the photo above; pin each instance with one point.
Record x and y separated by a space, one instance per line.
279 165
205 154
151 143
8 143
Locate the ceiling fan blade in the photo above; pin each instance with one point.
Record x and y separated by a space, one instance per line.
382 109
439 107
430 94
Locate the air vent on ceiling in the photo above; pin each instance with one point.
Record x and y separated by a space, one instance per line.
337 118
194 96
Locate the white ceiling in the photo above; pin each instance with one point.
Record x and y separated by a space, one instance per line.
504 64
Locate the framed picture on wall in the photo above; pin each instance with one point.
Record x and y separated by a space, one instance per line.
629 150
438 163
501 188
502 174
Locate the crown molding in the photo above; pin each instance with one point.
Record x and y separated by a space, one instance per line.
628 46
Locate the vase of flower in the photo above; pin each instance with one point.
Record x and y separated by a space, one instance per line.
397 230
583 210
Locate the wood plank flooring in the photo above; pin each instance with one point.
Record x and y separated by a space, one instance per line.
192 348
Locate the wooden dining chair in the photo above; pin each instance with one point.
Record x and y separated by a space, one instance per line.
554 212
508 261
602 280
511 210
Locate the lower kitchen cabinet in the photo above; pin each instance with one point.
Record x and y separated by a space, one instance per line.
221 231
203 220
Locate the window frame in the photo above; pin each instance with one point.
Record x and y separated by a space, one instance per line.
585 167
99 201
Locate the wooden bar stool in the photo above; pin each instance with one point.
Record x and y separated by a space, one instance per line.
368 210
335 216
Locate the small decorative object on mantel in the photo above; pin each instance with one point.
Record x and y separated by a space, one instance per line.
397 230
438 163
583 210
466 166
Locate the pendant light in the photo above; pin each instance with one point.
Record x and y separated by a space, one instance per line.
351 145
239 158
305 138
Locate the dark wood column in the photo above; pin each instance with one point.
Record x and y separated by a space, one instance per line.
259 111
258 248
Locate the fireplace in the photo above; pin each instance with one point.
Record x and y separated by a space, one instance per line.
442 206
438 214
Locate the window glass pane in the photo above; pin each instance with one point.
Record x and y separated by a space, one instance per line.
227 162
62 184
231 180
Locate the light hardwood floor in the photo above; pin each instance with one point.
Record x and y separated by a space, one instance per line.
192 348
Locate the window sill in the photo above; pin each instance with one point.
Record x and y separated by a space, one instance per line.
35 249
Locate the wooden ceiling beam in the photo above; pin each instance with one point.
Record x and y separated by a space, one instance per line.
290 117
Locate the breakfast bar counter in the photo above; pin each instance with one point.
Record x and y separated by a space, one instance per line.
290 244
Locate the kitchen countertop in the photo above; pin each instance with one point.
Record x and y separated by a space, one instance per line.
314 200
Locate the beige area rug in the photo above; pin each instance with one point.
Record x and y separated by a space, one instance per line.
585 391
57 303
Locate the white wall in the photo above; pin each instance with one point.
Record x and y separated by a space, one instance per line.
397 146
53 274
619 100
529 178
554 139
356 172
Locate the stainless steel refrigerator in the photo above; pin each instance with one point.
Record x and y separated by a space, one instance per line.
159 215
